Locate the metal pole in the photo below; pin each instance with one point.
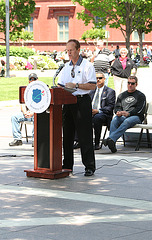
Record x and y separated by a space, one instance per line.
7 38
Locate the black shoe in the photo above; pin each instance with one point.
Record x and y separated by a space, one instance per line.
105 142
32 143
76 145
111 145
88 173
15 143
96 147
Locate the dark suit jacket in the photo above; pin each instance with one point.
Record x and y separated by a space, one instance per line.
107 103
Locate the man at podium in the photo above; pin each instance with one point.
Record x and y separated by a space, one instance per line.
78 74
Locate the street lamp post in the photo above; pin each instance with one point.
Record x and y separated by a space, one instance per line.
7 38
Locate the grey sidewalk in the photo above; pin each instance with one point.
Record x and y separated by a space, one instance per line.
116 203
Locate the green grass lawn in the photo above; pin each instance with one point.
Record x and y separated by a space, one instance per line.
10 86
111 83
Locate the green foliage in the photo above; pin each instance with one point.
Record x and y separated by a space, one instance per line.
17 51
23 35
20 14
126 15
93 34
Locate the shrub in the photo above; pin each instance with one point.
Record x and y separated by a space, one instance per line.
17 51
43 62
20 63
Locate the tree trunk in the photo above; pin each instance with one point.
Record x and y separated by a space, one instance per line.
141 46
128 26
128 41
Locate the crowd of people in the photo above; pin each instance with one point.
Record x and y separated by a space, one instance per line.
133 52
96 102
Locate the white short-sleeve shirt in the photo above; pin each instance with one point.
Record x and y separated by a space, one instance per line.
84 73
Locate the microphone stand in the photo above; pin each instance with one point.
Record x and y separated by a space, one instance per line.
56 74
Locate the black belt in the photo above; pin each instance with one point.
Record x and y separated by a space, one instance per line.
81 96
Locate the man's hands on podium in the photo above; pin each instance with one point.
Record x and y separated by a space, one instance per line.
70 85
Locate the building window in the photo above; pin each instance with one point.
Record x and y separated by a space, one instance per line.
135 36
63 28
29 28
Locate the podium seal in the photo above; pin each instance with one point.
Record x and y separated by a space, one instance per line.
37 96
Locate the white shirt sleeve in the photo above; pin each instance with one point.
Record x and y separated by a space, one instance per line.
111 57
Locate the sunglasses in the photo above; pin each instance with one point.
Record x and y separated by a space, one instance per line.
100 77
32 79
72 73
132 83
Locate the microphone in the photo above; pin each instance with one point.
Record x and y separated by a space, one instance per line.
57 72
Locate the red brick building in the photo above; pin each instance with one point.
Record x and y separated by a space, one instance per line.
54 22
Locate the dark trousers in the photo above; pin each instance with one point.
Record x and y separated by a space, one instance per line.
78 117
98 120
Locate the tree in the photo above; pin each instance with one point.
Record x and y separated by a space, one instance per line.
20 15
145 26
93 34
119 14
22 36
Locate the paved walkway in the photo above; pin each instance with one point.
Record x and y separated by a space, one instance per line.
116 203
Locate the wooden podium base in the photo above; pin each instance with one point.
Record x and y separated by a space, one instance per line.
48 174
48 136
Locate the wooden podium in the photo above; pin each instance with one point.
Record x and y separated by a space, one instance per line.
48 136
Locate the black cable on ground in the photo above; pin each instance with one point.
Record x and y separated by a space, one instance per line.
115 164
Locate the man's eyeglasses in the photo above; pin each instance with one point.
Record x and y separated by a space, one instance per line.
32 79
100 77
72 73
132 83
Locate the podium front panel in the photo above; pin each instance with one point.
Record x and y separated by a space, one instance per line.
43 140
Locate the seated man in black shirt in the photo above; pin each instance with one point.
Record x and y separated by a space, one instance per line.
130 108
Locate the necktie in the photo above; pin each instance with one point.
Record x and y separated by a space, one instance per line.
96 100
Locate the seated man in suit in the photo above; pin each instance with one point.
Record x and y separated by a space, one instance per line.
103 102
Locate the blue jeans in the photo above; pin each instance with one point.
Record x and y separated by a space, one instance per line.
16 119
119 125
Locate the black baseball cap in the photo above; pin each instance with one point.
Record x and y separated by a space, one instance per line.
33 75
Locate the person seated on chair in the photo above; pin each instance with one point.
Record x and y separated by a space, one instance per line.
103 102
24 115
129 109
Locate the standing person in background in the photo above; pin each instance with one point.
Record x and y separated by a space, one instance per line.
79 74
116 52
138 51
2 68
121 69
102 60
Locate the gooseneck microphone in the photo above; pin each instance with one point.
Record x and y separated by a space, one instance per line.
57 72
